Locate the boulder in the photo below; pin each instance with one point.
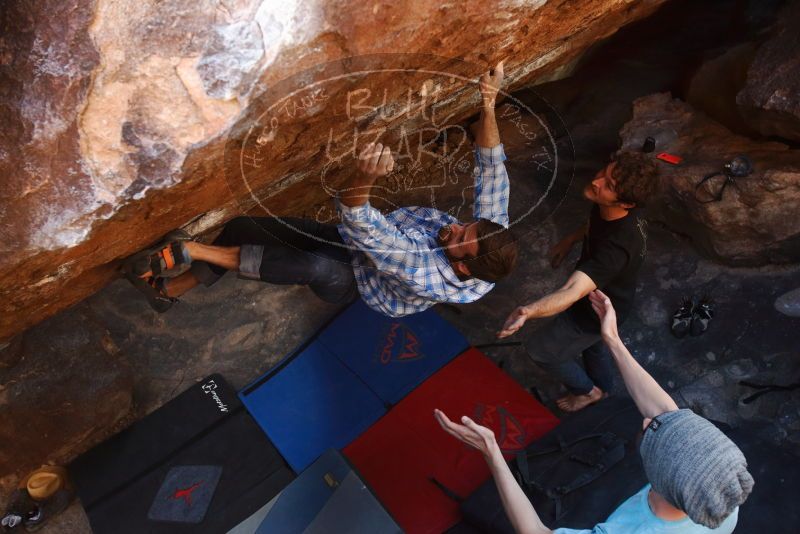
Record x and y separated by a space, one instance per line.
68 389
118 115
715 84
770 98
789 303
755 222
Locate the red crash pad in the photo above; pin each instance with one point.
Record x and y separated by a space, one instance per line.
402 454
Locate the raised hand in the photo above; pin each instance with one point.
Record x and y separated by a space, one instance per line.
470 432
375 161
514 322
490 84
602 306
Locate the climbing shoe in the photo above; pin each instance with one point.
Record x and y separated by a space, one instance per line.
169 258
682 318
702 314
148 269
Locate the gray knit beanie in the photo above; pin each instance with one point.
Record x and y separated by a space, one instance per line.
695 467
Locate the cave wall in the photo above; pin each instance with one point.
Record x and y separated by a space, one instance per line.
753 87
116 114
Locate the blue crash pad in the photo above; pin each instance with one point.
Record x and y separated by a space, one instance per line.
309 403
328 496
392 355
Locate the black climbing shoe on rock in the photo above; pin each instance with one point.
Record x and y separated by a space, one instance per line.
702 314
682 318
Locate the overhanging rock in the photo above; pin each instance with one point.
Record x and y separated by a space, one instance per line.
117 114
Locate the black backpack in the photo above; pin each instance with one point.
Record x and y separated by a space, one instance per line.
576 475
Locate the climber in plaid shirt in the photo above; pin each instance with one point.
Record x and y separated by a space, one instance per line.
401 263
413 258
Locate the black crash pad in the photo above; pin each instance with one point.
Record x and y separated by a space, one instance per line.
125 483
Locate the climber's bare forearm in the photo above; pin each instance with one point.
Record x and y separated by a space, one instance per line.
487 134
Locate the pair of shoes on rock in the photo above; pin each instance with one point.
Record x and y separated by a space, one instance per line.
42 495
692 317
148 270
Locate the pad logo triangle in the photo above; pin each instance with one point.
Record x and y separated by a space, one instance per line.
511 435
399 345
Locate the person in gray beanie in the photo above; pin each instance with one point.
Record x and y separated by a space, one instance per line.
697 477
694 466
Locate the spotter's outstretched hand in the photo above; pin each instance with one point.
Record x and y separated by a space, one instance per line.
469 432
602 306
514 322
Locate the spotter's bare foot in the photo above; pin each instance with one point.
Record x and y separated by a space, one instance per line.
573 403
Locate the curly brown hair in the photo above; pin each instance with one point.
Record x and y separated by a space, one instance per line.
497 252
636 177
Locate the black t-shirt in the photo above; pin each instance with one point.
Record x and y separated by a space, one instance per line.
611 255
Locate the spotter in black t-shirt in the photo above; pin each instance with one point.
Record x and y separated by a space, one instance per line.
611 256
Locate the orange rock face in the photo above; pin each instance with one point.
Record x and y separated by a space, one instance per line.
123 120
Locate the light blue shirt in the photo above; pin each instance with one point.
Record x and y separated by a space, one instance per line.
635 517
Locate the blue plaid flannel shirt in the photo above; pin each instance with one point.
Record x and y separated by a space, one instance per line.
398 264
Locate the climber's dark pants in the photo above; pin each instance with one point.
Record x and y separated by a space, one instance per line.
555 347
287 251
